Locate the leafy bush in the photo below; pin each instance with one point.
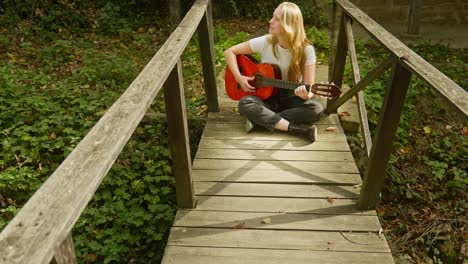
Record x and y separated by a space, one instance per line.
427 175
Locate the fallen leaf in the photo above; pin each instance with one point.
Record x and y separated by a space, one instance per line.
235 109
52 136
330 129
344 114
427 130
465 130
330 200
357 186
240 225
405 150
448 127
12 57
380 210
266 221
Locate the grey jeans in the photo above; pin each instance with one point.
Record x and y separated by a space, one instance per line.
269 112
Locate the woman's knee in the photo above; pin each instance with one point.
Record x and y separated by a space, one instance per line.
314 106
247 103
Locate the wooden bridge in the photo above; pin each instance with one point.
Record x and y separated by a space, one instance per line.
247 198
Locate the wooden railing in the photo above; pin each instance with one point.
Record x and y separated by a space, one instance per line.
404 64
42 228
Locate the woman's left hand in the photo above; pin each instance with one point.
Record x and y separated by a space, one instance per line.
302 92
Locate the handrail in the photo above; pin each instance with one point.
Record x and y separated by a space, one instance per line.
46 220
448 89
405 62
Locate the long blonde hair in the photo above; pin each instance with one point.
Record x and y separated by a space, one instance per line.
293 25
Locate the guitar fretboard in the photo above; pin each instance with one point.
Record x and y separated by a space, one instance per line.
290 85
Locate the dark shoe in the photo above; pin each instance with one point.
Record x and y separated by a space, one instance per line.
307 132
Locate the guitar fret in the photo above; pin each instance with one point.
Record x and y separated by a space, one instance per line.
280 83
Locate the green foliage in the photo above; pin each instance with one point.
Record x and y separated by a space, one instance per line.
53 92
263 10
131 213
223 41
427 175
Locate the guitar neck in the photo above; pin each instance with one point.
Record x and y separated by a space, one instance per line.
289 85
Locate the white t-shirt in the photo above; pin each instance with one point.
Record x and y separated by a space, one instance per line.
262 46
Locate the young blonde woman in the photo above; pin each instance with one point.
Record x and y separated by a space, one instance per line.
287 46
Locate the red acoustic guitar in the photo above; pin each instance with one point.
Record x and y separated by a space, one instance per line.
267 77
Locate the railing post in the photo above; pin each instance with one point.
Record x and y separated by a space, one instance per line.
332 41
66 252
385 135
178 137
339 60
206 40
414 17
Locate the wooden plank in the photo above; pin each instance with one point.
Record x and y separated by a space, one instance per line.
334 167
240 127
447 88
178 138
387 126
37 231
360 97
66 252
339 61
276 190
368 79
267 135
205 37
414 17
268 239
210 143
276 176
283 155
209 255
277 205
235 117
276 221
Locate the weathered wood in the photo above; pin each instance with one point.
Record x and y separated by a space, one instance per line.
174 10
268 239
339 60
311 166
205 36
261 134
276 190
36 231
210 143
276 176
66 252
357 78
368 79
384 137
414 17
454 95
209 255
238 126
178 138
277 205
284 155
235 117
331 56
278 221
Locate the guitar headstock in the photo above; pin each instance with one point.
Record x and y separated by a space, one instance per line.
329 90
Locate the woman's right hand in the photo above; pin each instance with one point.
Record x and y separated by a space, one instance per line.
243 81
